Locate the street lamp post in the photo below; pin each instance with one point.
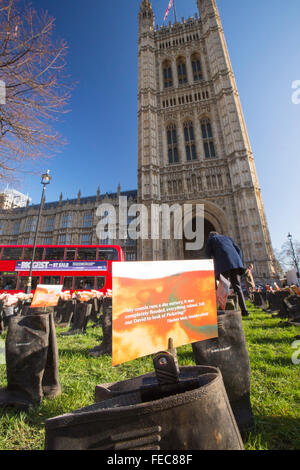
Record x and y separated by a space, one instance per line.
294 255
46 178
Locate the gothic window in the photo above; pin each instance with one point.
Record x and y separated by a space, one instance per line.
31 224
199 183
27 241
64 238
189 138
86 238
208 141
174 187
167 74
49 225
16 228
181 70
220 181
196 67
66 220
172 144
194 181
87 220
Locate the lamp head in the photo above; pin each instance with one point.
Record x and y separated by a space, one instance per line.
289 236
46 178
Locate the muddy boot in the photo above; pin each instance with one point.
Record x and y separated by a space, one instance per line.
25 308
50 383
193 414
106 346
80 319
26 355
95 310
65 313
229 353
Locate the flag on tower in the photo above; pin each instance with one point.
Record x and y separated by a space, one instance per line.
168 9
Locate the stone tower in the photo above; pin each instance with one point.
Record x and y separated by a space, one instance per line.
193 145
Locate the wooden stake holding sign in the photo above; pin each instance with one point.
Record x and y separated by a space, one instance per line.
159 300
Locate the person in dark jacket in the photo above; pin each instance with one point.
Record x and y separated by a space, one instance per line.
228 262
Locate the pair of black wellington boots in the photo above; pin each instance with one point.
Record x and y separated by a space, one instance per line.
31 361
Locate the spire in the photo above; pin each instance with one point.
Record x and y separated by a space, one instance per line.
146 4
146 16
98 193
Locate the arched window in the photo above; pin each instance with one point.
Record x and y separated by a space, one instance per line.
172 144
181 70
189 138
196 67
167 74
208 141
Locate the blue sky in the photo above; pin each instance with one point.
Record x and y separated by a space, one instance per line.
263 38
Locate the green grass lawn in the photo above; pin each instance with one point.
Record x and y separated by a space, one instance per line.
275 393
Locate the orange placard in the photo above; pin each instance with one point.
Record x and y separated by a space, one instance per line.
155 301
46 296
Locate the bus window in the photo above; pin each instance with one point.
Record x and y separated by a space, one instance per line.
84 282
86 253
70 254
28 254
108 254
22 282
54 253
8 280
51 280
12 253
68 283
100 282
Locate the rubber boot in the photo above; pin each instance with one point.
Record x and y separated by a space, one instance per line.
258 300
94 310
27 344
229 353
292 305
66 313
80 319
25 308
278 304
193 414
106 346
50 383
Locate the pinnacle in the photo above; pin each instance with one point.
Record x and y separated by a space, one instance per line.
146 4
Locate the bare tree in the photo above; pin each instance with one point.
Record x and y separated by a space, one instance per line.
285 255
37 89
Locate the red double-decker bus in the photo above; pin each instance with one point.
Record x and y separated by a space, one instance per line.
76 267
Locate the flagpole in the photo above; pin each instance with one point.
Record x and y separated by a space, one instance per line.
174 11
